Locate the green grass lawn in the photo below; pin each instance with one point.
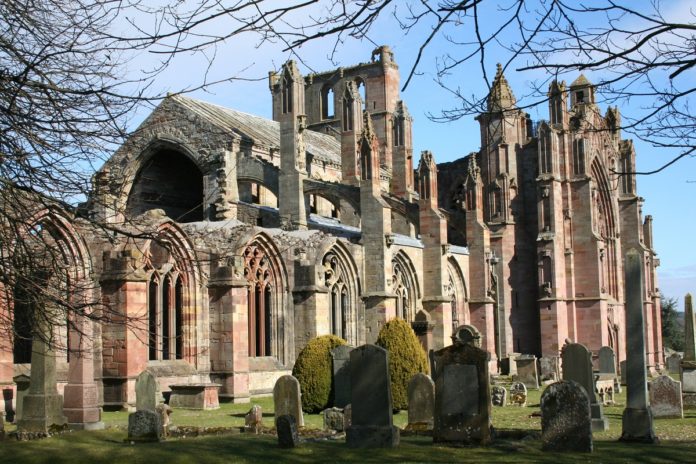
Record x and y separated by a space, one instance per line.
678 442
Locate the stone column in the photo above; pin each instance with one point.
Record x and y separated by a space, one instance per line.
637 424
42 406
688 364
81 404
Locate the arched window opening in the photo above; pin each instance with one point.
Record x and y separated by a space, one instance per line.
327 103
165 315
259 274
360 85
23 323
341 284
287 93
256 194
404 289
170 181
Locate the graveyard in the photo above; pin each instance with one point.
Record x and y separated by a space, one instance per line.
226 442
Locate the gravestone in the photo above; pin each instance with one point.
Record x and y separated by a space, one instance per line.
371 400
607 360
347 416
333 419
146 395
341 375
144 426
286 428
636 421
688 364
462 395
577 366
421 402
622 373
565 418
253 420
499 396
673 362
666 397
527 371
42 407
287 399
22 383
518 394
549 368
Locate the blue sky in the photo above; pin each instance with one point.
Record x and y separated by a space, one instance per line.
670 196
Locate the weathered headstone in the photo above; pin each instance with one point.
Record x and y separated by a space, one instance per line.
577 366
42 407
341 375
333 419
253 420
673 362
666 397
22 383
371 400
549 367
637 423
462 395
287 399
518 394
286 428
146 394
499 396
144 426
607 360
421 402
688 364
565 418
527 371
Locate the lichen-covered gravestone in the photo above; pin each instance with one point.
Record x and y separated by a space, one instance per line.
341 375
421 402
577 366
498 396
462 395
144 426
334 419
527 371
565 418
518 394
287 399
286 428
666 398
371 400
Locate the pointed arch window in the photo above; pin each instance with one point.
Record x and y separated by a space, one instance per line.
339 298
165 315
404 292
259 274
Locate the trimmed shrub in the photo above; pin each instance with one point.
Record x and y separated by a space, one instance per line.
314 371
406 358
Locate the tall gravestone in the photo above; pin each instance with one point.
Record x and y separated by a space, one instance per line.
42 406
371 400
666 398
527 371
462 395
688 364
566 424
607 360
146 392
637 422
421 402
287 399
577 366
341 375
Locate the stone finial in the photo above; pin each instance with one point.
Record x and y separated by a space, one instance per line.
556 88
472 169
500 97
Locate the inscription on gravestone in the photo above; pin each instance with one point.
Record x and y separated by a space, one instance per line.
460 393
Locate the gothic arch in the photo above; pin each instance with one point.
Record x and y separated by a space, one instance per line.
47 283
340 276
270 323
457 290
173 294
604 225
405 286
